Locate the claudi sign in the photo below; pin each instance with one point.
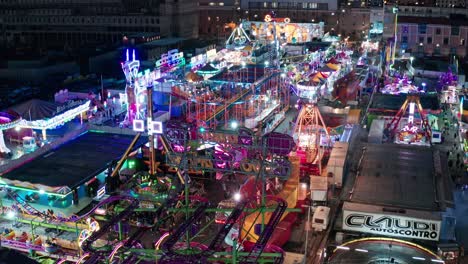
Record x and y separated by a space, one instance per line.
396 226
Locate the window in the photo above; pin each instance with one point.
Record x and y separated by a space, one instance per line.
429 40
404 39
422 28
462 42
437 31
455 31
404 29
274 5
265 4
446 40
313 5
304 5
319 221
421 39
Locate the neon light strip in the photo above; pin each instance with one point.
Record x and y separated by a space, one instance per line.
33 190
56 120
390 240
158 243
111 256
82 258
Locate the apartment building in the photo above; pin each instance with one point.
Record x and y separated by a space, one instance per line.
74 23
433 36
216 15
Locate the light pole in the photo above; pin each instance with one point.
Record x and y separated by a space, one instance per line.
307 228
395 11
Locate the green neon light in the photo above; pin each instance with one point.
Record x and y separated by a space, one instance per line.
34 190
209 210
97 131
47 225
221 253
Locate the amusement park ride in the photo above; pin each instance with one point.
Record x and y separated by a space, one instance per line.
310 131
249 149
414 131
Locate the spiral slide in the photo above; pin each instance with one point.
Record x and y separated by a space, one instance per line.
267 232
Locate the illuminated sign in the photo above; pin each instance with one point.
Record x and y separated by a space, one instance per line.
155 127
101 192
269 18
198 60
172 58
211 54
391 225
138 125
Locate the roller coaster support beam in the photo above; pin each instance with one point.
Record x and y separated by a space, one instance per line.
125 155
168 150
151 252
47 225
151 136
210 210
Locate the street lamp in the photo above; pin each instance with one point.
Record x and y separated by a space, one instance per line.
234 124
307 228
237 197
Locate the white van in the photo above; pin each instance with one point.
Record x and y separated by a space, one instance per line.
321 218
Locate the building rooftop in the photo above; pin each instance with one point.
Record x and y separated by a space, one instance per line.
454 21
412 178
162 42
74 162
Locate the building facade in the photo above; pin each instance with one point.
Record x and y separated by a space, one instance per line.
433 36
73 23
218 16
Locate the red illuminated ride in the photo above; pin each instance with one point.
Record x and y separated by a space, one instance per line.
414 131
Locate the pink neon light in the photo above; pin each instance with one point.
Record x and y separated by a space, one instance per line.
158 243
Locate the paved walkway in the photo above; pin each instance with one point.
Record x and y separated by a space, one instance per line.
451 145
285 126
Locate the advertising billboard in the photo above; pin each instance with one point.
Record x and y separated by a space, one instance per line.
391 225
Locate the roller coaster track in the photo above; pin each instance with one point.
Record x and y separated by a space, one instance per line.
174 257
33 211
86 246
170 201
267 232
